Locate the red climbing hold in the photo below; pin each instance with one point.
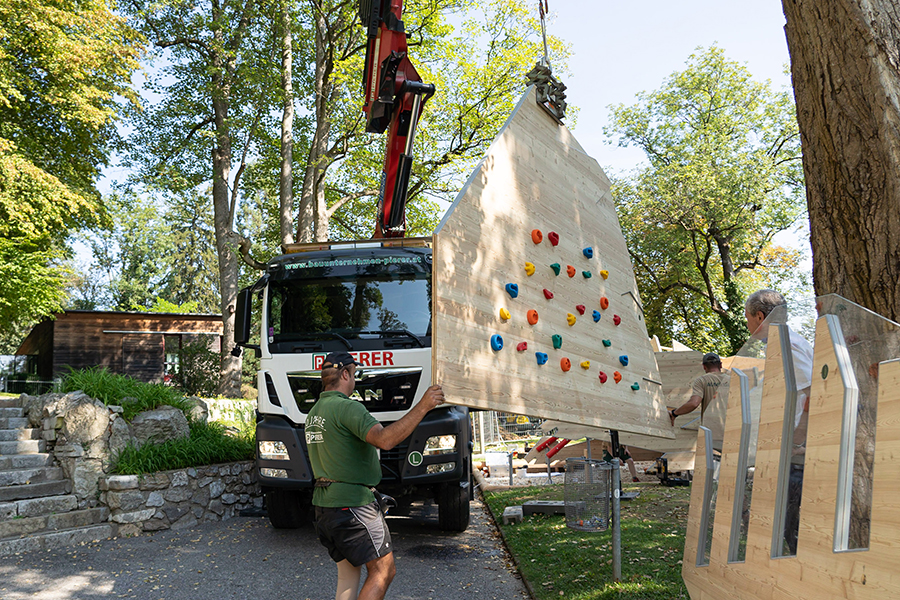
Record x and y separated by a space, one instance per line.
532 317
536 236
553 237
570 270
522 346
604 302
548 294
617 319
580 308
603 377
617 376
565 364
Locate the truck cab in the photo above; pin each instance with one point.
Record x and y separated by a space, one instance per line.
372 299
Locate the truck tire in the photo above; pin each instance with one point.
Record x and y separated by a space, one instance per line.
288 509
453 507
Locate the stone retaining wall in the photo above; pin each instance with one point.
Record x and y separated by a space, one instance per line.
181 498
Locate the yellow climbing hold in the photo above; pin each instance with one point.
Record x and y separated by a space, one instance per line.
585 364
504 314
570 318
529 269
604 274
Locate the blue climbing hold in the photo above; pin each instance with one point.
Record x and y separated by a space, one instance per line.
588 252
541 357
496 342
597 316
624 360
557 341
512 289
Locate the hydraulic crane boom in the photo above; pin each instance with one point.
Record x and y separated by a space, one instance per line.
394 98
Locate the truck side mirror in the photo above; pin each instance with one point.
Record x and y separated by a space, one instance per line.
242 317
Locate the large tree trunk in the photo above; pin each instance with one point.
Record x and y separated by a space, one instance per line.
845 63
286 181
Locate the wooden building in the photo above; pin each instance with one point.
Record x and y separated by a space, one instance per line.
140 345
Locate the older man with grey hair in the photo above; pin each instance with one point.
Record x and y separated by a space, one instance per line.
757 309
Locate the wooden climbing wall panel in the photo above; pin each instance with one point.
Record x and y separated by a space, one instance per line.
536 177
820 570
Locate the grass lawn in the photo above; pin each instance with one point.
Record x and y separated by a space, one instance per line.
559 562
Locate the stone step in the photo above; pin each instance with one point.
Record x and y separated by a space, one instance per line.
37 491
14 435
23 447
32 475
68 520
13 422
9 412
39 507
25 461
9 402
57 539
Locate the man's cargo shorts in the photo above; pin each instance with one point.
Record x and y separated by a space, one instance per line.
358 534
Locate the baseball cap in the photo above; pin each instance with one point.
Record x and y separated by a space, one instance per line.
338 360
710 358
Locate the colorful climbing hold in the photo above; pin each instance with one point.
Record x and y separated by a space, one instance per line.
604 302
597 316
586 274
553 237
604 274
603 377
588 252
565 364
512 289
555 267
532 317
496 342
624 360
635 386
570 271
536 236
580 308
585 364
617 319
617 377
522 346
504 314
607 343
541 357
557 341
570 319
529 269
548 294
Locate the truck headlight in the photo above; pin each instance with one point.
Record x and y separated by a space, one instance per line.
440 467
274 473
440 444
273 451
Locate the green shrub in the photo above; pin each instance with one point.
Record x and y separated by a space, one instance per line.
113 389
208 444
197 373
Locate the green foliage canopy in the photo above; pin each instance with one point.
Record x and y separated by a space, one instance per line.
723 177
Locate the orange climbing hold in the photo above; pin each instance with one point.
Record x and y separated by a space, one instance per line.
532 317
570 270
565 364
617 376
604 302
536 236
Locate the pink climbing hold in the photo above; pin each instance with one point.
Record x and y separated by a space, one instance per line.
617 319
553 237
548 294
522 346
580 308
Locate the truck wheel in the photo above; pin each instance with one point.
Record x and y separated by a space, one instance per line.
453 507
288 509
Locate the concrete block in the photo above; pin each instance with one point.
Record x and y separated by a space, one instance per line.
512 514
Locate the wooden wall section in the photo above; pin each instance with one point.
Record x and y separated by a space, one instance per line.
536 176
817 572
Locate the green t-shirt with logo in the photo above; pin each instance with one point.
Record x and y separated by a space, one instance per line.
336 429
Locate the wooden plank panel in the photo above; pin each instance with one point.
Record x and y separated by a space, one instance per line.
535 177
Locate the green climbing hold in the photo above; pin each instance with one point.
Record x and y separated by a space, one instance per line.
607 343
555 267
586 274
635 386
557 341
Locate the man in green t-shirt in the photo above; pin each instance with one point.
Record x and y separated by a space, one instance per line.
703 388
342 437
